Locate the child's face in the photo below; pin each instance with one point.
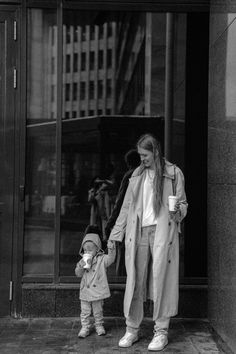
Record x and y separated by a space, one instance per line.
90 247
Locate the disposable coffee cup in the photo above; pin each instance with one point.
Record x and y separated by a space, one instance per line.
172 202
87 257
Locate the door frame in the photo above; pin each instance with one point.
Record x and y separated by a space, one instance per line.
13 13
8 127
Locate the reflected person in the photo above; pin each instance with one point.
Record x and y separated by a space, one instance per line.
151 242
132 161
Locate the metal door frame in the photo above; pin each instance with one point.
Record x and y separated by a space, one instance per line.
11 13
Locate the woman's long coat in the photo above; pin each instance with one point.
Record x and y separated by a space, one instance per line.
164 277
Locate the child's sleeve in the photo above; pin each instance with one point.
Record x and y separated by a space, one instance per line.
110 257
79 270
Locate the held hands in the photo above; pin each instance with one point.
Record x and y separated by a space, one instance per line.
111 244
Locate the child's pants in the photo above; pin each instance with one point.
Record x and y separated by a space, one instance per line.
144 251
87 307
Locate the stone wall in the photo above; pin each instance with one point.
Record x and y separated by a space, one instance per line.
222 172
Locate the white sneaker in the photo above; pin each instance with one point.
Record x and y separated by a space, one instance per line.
159 341
84 332
100 330
128 340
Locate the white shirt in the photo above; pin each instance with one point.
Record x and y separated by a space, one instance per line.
149 217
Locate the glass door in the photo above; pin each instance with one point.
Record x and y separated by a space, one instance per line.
7 134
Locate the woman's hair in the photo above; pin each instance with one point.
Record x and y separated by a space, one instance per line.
150 143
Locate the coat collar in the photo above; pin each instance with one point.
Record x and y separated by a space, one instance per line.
137 180
169 172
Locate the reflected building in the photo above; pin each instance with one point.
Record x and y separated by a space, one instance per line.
104 67
89 69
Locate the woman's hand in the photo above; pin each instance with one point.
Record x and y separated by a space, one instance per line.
175 215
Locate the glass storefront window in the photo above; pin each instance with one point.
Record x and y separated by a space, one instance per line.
41 65
113 84
40 197
114 80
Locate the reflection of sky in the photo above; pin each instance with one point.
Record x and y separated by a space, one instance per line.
230 92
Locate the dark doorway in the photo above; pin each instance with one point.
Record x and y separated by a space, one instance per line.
7 122
196 144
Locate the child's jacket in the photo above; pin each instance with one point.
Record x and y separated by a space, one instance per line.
94 284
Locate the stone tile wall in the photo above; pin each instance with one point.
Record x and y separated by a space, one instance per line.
222 171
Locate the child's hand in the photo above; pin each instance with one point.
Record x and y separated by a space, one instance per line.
82 263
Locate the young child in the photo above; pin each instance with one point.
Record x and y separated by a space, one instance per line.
94 285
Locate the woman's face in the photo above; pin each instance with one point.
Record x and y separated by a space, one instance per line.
146 157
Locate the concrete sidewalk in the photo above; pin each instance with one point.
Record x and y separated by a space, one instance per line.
59 335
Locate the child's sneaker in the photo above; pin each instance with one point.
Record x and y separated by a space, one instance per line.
100 330
84 332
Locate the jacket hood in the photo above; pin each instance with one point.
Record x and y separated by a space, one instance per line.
93 238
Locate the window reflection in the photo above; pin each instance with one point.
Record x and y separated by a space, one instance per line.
40 201
111 81
39 233
93 166
121 75
113 91
41 65
111 49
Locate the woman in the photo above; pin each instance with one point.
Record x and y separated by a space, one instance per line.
151 234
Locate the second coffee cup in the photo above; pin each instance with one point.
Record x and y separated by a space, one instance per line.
172 202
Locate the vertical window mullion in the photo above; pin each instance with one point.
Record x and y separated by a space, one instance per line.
58 145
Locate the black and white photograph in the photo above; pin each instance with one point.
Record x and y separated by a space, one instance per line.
118 182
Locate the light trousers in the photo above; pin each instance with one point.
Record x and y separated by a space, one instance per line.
143 255
88 307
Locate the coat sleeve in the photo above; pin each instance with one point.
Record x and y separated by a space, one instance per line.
79 270
180 193
118 231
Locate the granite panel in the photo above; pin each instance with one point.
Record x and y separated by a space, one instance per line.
222 174
221 232
217 60
218 25
222 155
222 75
222 105
38 302
222 260
67 303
